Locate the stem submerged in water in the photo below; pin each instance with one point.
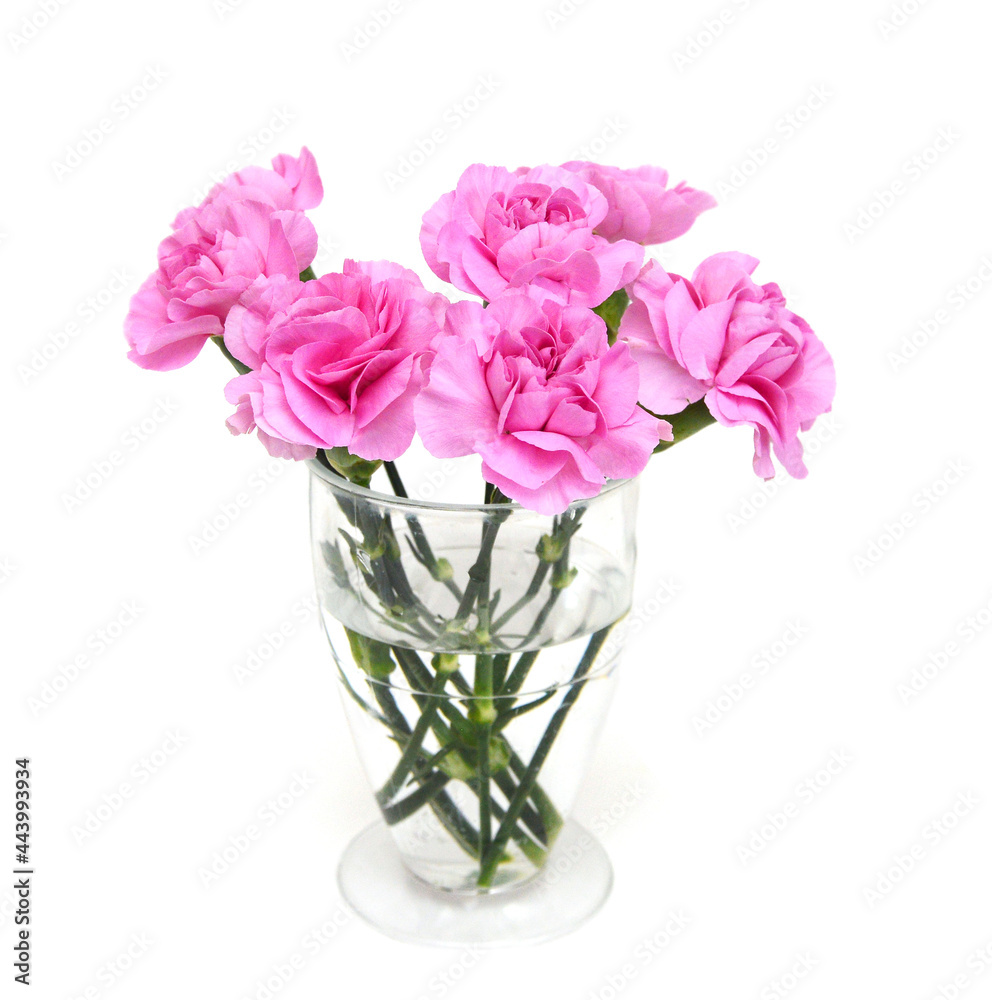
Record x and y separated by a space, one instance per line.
470 745
490 860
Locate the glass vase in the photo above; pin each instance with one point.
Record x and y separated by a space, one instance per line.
476 649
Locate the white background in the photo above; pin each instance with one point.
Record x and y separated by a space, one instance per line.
623 82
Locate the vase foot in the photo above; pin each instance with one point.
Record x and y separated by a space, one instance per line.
571 887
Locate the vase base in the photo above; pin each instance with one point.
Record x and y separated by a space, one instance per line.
571 887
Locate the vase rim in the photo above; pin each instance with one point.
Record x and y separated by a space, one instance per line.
321 472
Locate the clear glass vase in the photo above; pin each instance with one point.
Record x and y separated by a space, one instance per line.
476 650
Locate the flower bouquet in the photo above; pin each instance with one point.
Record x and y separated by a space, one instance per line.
476 637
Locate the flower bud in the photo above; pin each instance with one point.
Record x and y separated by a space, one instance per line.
442 570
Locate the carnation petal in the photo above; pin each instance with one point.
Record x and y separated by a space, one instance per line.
625 452
814 395
434 220
718 276
454 410
665 386
303 178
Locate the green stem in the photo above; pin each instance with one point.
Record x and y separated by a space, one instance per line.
394 480
544 811
420 545
489 863
241 369
519 673
443 806
416 740
398 811
418 677
531 849
479 573
482 714
693 418
532 591
501 663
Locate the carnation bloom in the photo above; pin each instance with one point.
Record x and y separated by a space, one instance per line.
248 226
530 229
292 185
722 338
335 361
537 391
642 207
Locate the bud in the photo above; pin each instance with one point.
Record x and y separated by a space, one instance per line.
561 577
482 711
372 656
376 551
392 546
355 469
550 548
445 663
442 570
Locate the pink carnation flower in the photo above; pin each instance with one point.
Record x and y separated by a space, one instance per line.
722 338
537 391
642 207
292 185
248 226
336 361
530 229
